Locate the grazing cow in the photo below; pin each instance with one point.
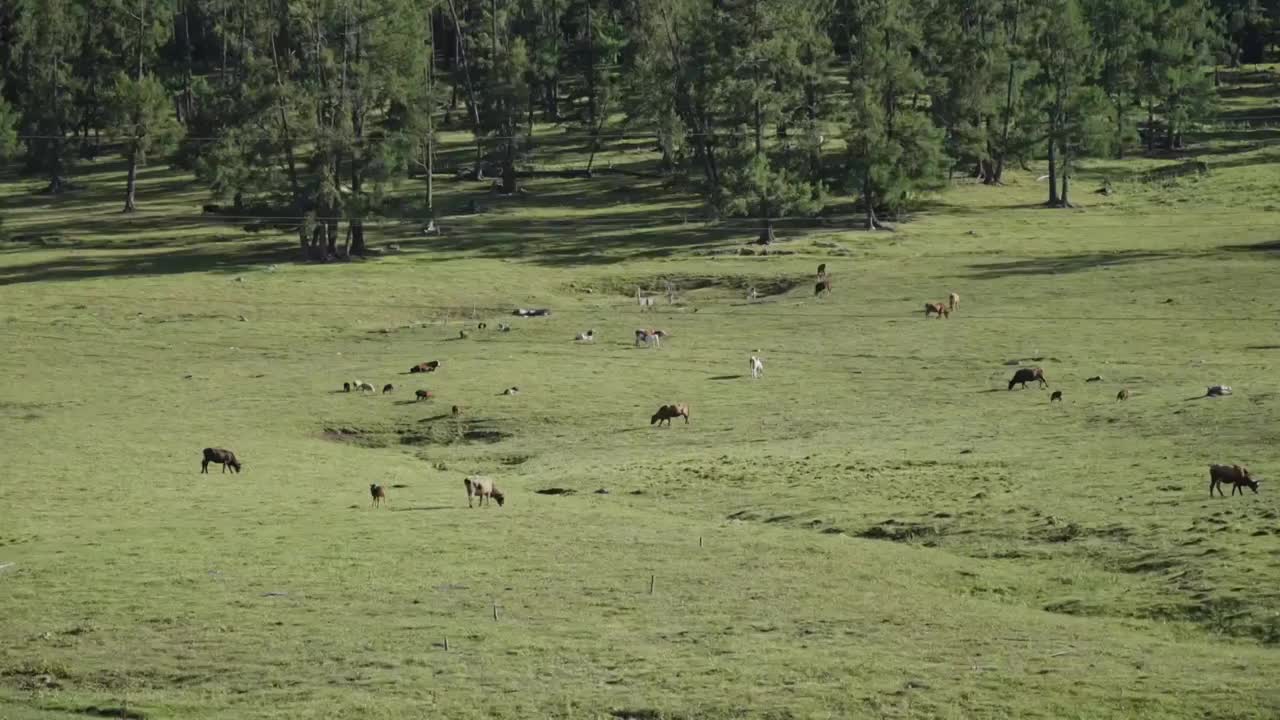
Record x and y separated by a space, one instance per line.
936 308
483 488
1122 395
953 302
364 387
346 387
422 394
388 388
652 338
379 494
1026 375
425 367
1236 476
667 412
822 270
1057 395
482 326
823 286
757 367
503 327
226 458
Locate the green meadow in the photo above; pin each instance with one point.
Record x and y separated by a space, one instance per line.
876 528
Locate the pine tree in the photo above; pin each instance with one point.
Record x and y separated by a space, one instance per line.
46 35
1120 29
762 84
892 149
1064 52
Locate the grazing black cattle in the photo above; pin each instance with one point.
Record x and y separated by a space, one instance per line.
1237 476
1057 395
217 455
1026 375
388 388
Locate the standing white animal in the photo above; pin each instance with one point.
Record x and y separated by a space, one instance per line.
757 367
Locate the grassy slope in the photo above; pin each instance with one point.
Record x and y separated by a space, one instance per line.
1053 561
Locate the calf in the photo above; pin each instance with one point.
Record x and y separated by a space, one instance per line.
364 387
483 488
936 308
588 336
346 387
379 494
667 412
1235 475
1026 375
218 455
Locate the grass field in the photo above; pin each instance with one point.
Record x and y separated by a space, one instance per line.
877 528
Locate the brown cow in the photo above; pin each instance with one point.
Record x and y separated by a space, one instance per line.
1122 395
940 309
667 412
379 494
1235 475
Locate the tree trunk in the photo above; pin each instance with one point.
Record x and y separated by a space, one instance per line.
294 188
1064 201
1151 126
869 200
509 169
1003 150
1119 129
471 93
131 183
1053 175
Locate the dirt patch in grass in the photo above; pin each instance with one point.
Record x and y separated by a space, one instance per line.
682 283
900 532
447 431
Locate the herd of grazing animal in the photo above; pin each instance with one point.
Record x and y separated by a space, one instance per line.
483 488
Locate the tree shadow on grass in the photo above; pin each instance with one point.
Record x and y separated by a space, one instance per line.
230 259
726 377
1061 264
420 508
1269 246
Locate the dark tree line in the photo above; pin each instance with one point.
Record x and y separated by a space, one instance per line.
310 108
